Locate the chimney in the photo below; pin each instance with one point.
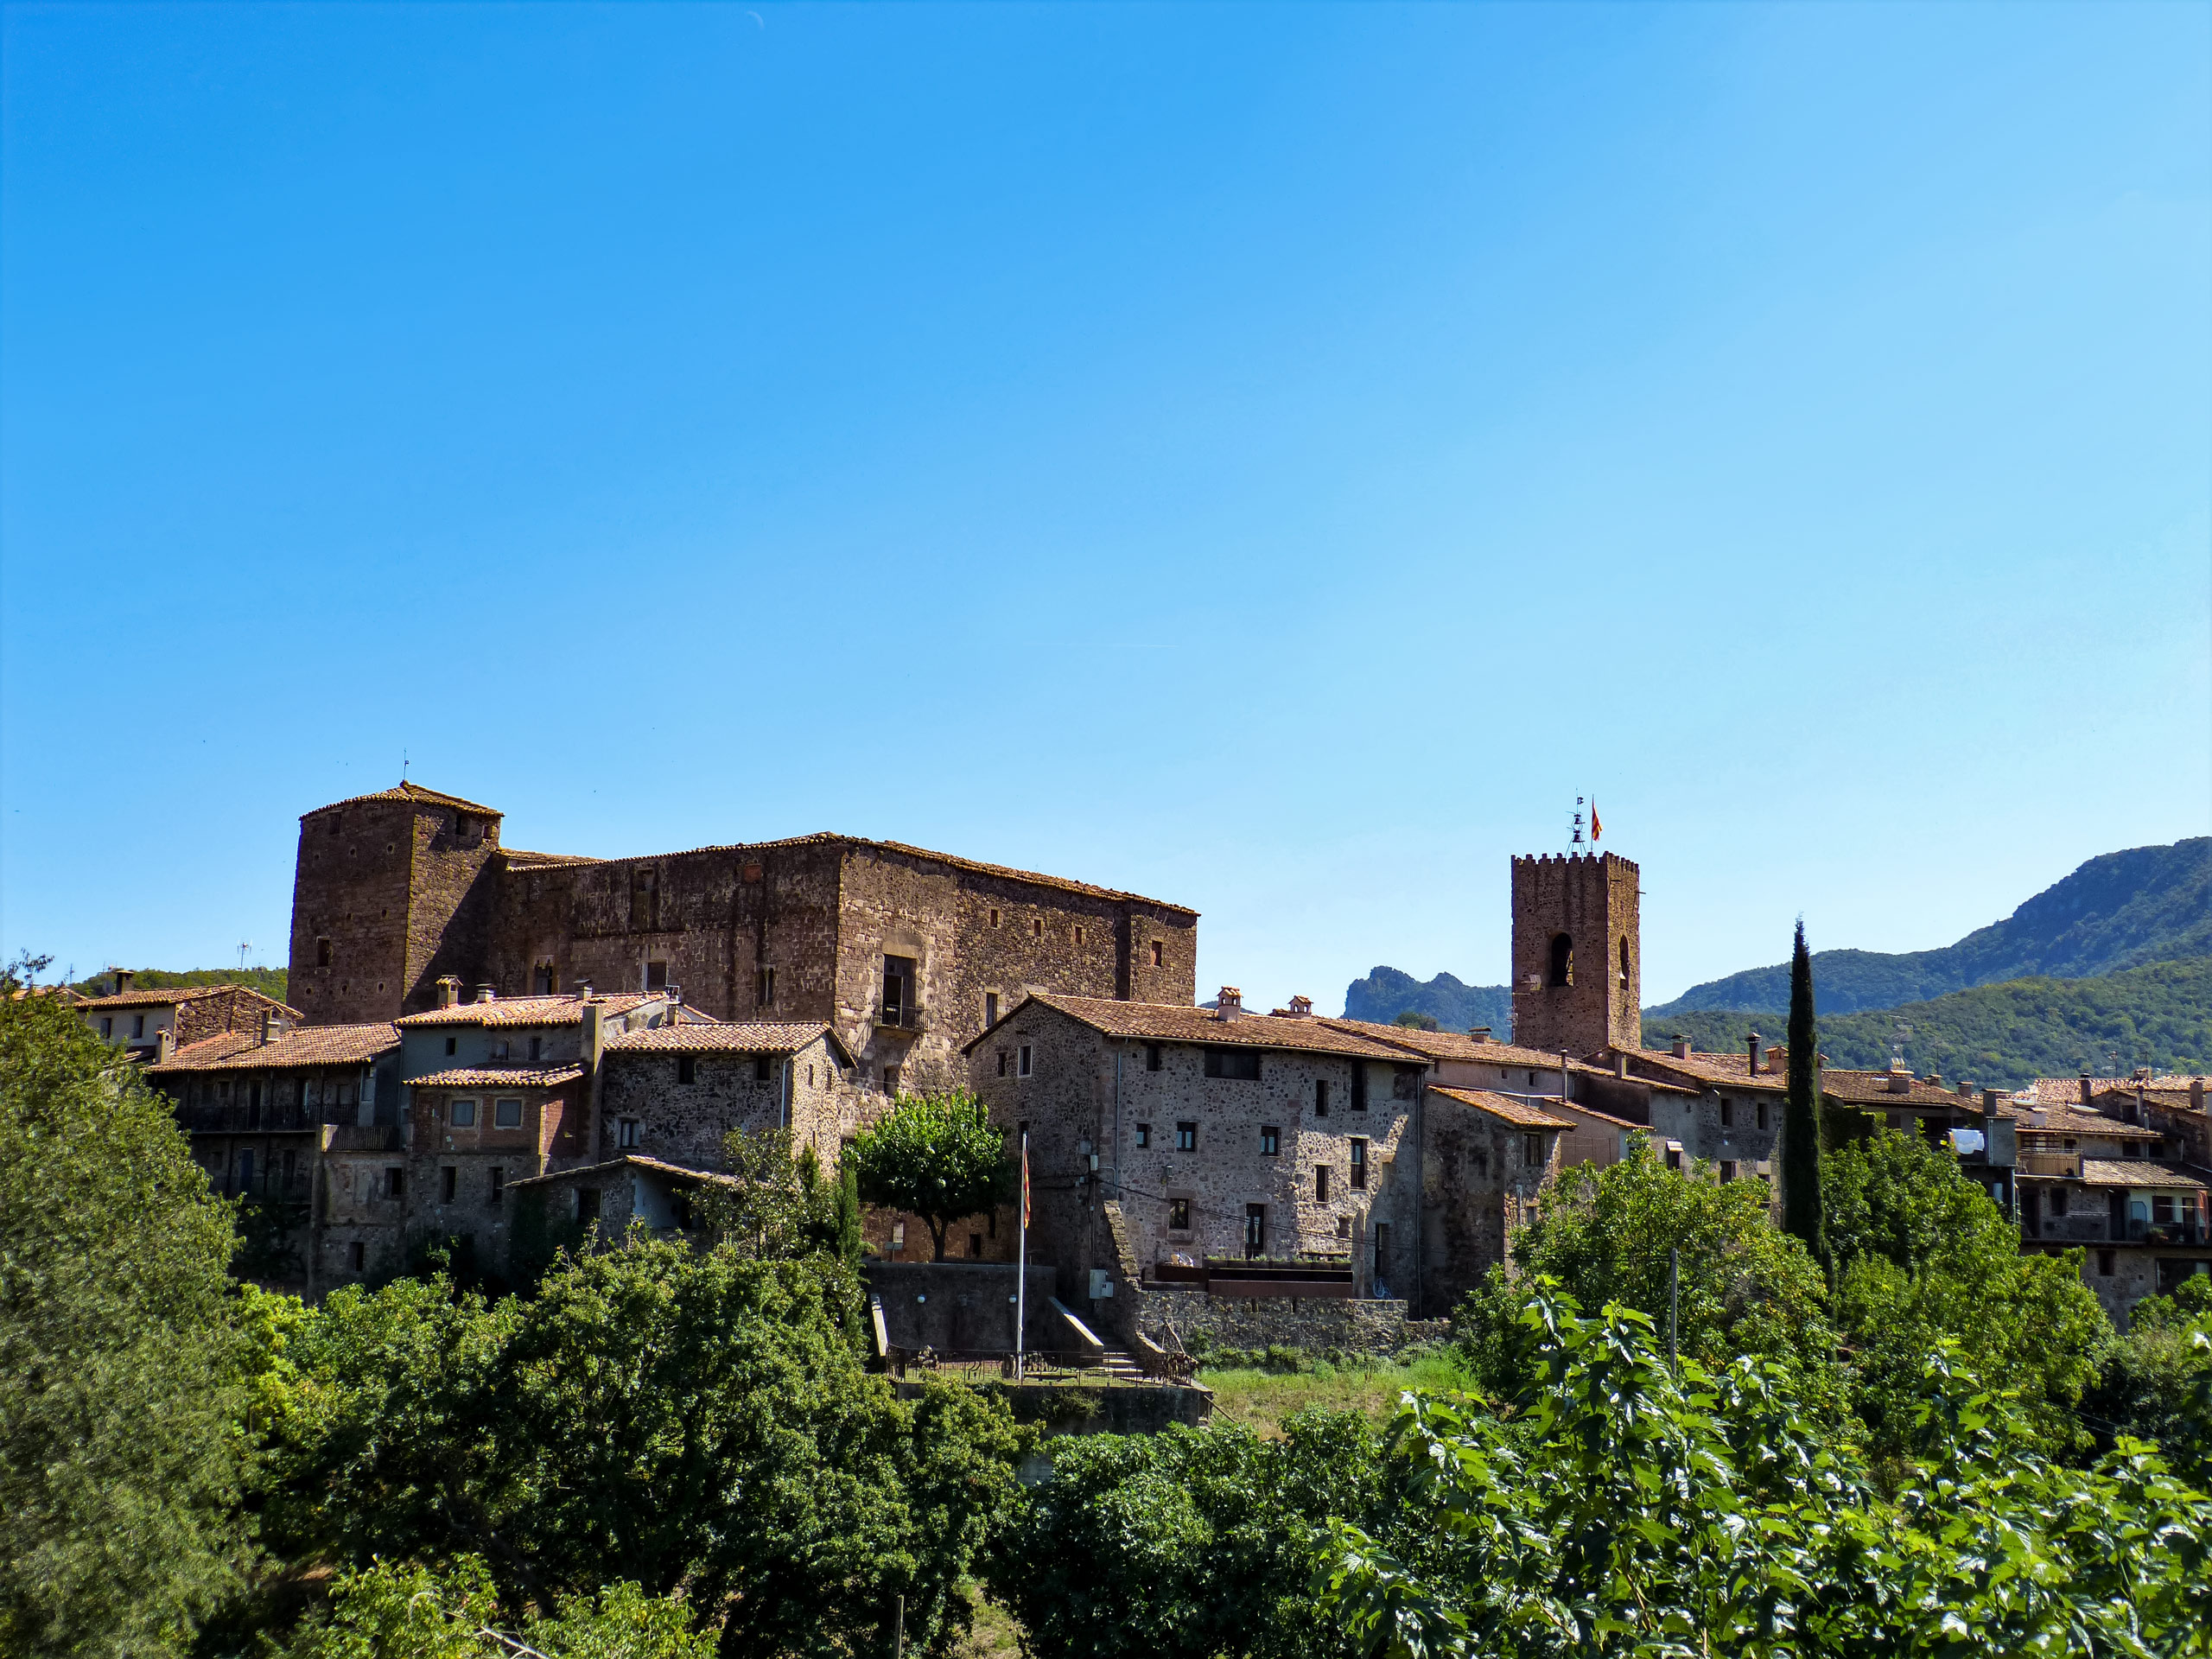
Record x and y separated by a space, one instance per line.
584 990
1229 1004
1966 1089
449 990
1480 1034
1989 1102
164 1046
272 1025
122 978
2197 1094
1900 1077
487 992
1620 1066
1934 1079
593 1016
1752 1043
1777 1060
2085 1088
1682 1049
1301 1008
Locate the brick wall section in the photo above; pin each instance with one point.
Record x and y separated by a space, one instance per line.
1593 901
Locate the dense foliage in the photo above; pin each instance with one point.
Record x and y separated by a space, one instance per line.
2007 1035
2117 911
683 1421
936 1156
407 1611
120 1363
2156 1383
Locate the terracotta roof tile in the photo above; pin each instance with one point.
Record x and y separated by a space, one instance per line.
527 1010
498 1076
165 996
1733 1069
2115 1172
2058 1091
1172 1022
239 1051
1456 1045
1517 1112
1872 1089
2071 1120
414 793
705 1039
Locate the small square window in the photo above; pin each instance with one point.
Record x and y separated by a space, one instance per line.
1144 1135
994 915
1037 927
760 1068
464 1114
1727 1112
1151 1061
1535 1150
1186 1137
506 1113
1358 1161
1322 1098
656 976
586 1204
1343 1226
137 1025
1026 1059
2104 1263
687 1068
1078 935
975 1245
1727 1169
501 1050
453 1045
891 1081
627 1133
107 1026
1179 1215
1270 1141
536 1048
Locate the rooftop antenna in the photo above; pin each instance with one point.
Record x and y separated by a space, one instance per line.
1897 1042
402 766
244 945
1575 843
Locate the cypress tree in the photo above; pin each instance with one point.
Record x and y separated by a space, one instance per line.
1800 1113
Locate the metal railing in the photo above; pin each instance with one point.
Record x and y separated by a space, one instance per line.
2139 1231
246 1120
989 1365
899 1016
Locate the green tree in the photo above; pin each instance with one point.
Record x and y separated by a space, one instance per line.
1745 1286
1801 1111
1922 1255
849 1215
1414 1020
656 1415
2157 1382
122 1371
395 1609
936 1156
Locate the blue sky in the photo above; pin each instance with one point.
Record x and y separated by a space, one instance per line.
1273 458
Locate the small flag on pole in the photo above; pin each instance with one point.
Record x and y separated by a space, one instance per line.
1024 1180
1596 829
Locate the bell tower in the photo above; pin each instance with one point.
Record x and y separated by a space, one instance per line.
1578 955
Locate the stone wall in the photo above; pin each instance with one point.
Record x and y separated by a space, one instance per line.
1311 1324
964 1307
1593 901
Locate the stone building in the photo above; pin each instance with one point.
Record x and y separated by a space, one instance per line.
675 1092
150 1025
1224 1135
1486 1160
1578 967
907 954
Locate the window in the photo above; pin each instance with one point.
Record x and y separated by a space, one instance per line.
1152 1057
1320 1183
588 1203
891 1081
2162 1210
990 1009
1078 933
764 988
626 1133
1003 1058
1535 1149
1727 1169
536 1049
464 1114
1321 1097
2104 1262
448 1182
1037 928
1237 1064
1358 1161
2057 1200
760 1068
1186 1137
506 1113
107 1026
1179 1215
1562 960
1156 953
1359 1085
501 1050
1024 1059
687 1068
1270 1141
137 1025
1343 1226
975 1245
898 991
1255 1229
354 1254
1727 1112
1674 1157
541 979
897 1234
994 915
656 976
322 953
1762 1114
453 1045
1381 1255
644 900
498 1185
395 1183
1144 1135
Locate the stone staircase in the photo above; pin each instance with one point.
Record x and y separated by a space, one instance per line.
1120 1366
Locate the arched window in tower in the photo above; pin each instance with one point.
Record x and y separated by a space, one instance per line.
1623 962
1562 959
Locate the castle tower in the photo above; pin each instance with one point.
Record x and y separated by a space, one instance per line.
389 892
1578 955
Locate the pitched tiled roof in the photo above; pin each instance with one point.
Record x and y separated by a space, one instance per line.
1519 1113
414 793
1872 1089
527 1010
519 859
1172 1022
705 1039
166 996
498 1076
2058 1091
629 1159
2114 1171
2071 1120
1455 1046
239 1051
1732 1069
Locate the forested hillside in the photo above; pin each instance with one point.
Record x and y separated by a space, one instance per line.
2005 1035
1386 992
270 982
2118 910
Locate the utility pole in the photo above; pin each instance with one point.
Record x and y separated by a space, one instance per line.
1020 1265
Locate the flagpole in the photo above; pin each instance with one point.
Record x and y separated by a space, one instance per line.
1021 1262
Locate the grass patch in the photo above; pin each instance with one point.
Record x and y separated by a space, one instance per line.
996 1634
1260 1399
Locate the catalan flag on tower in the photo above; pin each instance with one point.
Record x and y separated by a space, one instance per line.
1596 829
